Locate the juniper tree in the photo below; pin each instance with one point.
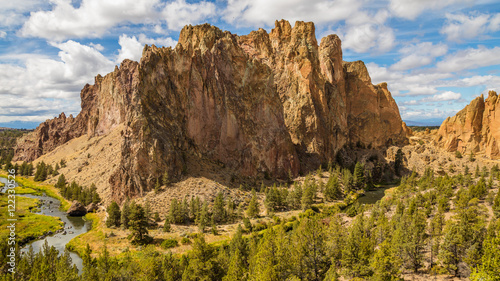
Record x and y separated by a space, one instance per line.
253 209
125 215
114 215
138 224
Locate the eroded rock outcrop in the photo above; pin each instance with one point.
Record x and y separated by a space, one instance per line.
262 104
474 128
76 209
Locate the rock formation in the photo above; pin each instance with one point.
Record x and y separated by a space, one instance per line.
262 104
77 209
474 129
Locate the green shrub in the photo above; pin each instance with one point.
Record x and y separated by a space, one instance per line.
259 226
169 243
185 241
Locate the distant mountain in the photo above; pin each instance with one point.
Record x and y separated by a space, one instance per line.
19 125
424 122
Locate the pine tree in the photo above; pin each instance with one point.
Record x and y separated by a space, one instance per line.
138 224
398 162
253 207
477 173
61 181
219 212
357 249
414 240
385 264
272 258
359 175
237 267
125 215
176 213
471 157
194 208
89 271
496 205
295 196
348 181
451 250
202 265
308 195
65 270
203 217
156 217
310 250
166 226
332 188
490 266
114 215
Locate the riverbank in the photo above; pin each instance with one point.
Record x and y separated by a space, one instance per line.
29 186
29 226
93 236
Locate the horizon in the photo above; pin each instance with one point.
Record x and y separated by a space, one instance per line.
435 58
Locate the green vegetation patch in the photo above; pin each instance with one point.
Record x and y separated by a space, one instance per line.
28 225
25 190
91 237
47 189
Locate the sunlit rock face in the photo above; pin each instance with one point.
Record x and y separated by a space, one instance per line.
264 103
476 128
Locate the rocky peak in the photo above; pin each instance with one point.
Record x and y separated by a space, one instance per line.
281 32
202 37
331 58
259 104
473 128
358 69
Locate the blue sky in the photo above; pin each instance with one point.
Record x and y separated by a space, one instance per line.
436 56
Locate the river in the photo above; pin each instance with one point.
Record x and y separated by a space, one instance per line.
372 196
73 226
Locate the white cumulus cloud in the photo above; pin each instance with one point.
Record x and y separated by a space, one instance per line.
177 14
42 87
94 18
470 58
445 96
131 46
418 55
460 27
411 9
258 13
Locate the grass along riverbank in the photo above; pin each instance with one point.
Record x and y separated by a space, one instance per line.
29 186
28 225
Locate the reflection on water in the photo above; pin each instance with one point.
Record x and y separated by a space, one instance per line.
3 189
73 226
372 196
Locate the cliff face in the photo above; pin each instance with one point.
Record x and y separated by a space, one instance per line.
475 128
373 115
260 104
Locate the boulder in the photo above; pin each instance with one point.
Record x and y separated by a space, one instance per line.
77 209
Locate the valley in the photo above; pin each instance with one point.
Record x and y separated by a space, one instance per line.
253 157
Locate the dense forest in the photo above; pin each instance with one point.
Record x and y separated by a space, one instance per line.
426 225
